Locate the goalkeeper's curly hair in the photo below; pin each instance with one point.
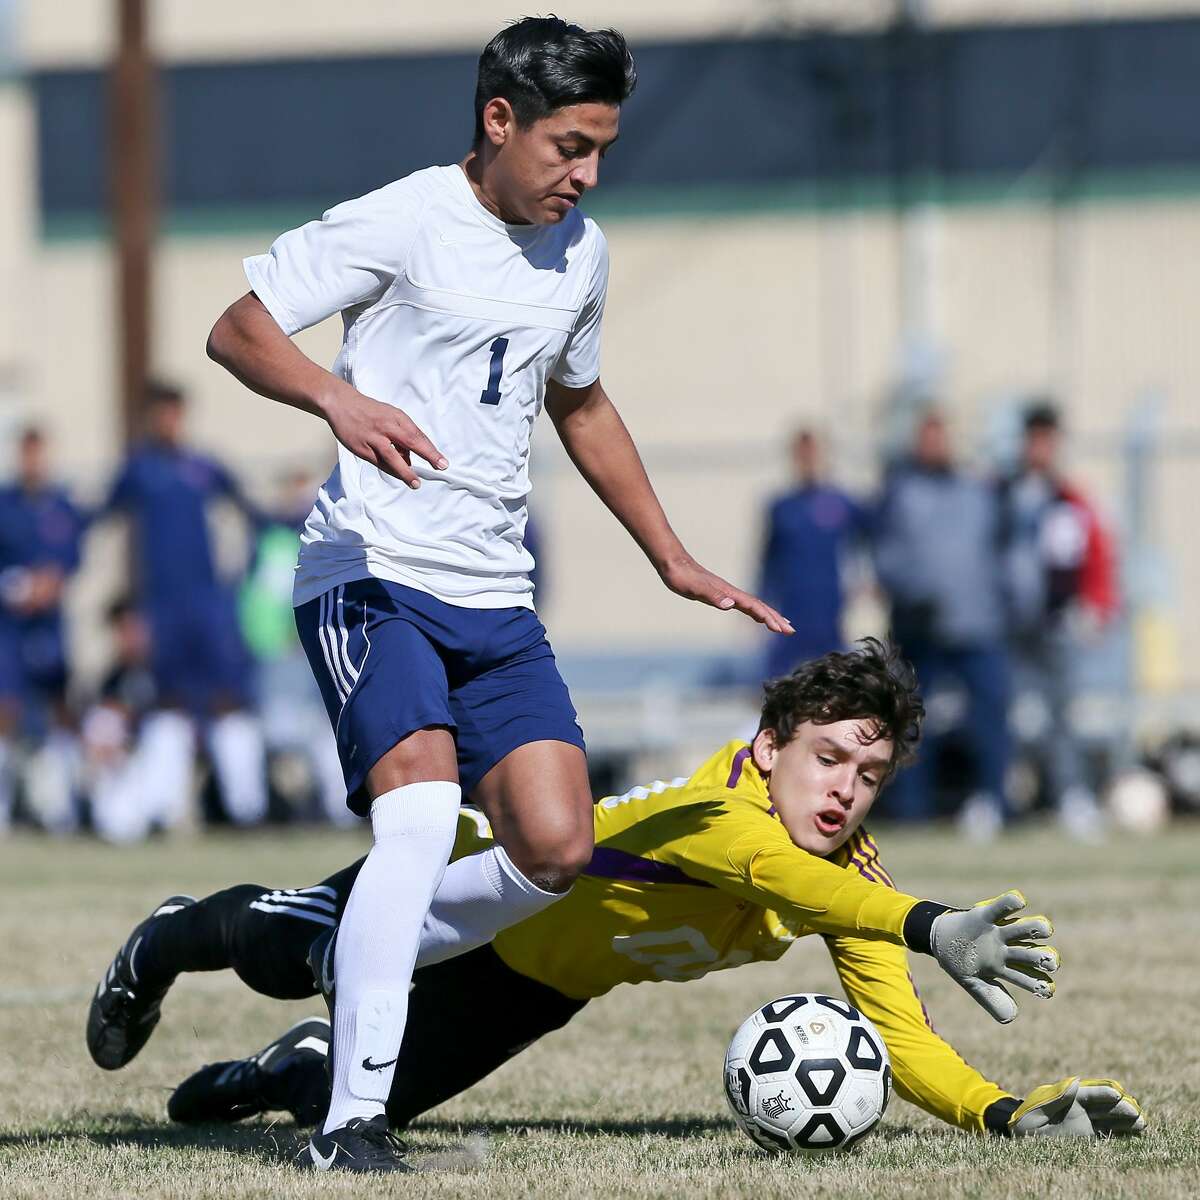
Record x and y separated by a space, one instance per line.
870 682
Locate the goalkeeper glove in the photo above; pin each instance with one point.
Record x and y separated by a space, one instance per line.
1075 1107
984 947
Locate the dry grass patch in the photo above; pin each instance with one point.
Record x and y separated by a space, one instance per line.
627 1100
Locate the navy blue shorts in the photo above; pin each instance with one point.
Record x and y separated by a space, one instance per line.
391 660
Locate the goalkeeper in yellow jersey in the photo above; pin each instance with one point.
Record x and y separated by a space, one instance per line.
761 846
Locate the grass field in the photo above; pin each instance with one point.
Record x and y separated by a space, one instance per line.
626 1101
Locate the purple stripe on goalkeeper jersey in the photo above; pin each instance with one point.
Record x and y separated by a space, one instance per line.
873 857
864 856
735 771
869 842
865 871
868 869
610 863
862 861
735 774
924 1010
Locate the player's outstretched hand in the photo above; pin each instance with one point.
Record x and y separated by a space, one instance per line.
986 947
1112 1111
382 435
689 579
1076 1107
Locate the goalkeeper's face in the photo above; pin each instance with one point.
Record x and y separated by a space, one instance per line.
825 780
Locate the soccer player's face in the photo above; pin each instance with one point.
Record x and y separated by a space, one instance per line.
33 460
824 781
1041 449
542 172
165 422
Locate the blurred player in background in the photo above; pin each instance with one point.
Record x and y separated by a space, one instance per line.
290 705
469 294
124 777
40 532
201 666
937 556
811 531
763 845
1061 576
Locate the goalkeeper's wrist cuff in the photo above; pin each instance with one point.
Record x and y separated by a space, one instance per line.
918 925
998 1114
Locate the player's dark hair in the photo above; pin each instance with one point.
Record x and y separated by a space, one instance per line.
539 64
1042 413
160 391
871 683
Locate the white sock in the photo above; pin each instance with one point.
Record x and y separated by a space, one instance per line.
240 762
6 784
377 942
51 775
479 895
165 755
119 811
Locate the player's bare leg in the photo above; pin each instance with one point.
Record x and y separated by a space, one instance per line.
425 756
539 803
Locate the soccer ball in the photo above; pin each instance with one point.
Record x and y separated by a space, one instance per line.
807 1073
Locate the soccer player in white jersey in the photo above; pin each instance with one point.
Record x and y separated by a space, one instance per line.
470 295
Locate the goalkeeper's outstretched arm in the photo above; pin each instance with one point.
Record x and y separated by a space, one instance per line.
985 949
929 1072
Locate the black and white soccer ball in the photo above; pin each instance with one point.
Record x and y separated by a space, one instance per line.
807 1073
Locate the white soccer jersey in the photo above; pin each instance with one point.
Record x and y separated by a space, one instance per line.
458 319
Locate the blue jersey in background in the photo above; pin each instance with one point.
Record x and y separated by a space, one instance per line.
809 532
200 659
166 491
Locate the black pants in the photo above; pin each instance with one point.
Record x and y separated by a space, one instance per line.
466 1016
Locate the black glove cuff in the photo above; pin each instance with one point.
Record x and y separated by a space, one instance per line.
918 925
997 1115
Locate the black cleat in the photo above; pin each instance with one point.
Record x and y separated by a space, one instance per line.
358 1145
288 1075
123 1013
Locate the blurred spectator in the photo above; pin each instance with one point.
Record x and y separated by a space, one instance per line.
293 714
137 777
200 661
1062 592
938 558
129 682
809 533
40 531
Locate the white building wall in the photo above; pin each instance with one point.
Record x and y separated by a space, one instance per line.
60 32
722 333
17 243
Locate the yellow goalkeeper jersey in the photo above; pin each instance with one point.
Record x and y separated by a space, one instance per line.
698 875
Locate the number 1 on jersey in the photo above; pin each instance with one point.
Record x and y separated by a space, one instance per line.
491 394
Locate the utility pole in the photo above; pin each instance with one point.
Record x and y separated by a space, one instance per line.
918 220
133 198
